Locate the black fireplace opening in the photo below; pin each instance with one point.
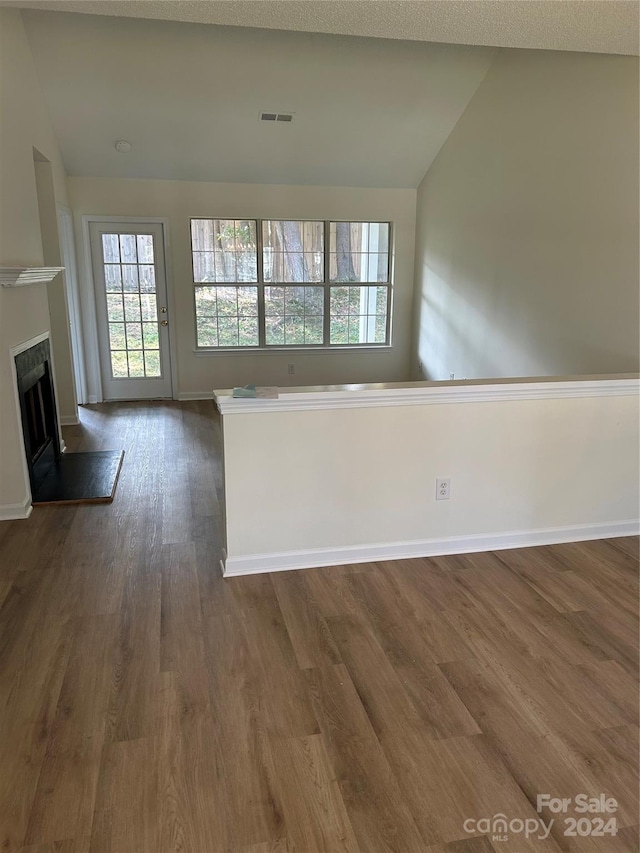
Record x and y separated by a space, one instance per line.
38 411
56 477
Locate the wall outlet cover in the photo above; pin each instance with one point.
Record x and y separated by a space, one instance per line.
443 488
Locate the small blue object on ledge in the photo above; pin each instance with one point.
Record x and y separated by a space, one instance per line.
245 391
251 392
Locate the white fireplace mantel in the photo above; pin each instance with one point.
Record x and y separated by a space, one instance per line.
21 276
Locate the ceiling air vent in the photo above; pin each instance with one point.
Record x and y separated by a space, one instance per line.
276 116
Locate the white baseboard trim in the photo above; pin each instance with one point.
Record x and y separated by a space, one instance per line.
69 420
185 396
13 512
223 559
93 399
314 558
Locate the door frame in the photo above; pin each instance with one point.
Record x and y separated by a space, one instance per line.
68 253
92 349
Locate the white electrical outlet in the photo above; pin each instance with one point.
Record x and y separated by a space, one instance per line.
443 489
291 369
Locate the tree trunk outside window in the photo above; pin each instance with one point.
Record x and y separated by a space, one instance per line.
288 233
344 262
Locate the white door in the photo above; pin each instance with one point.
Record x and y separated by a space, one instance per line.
131 309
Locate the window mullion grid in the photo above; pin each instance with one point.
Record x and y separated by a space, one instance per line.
387 337
262 333
327 288
139 295
126 340
194 286
326 320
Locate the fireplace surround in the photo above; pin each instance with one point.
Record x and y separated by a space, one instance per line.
56 477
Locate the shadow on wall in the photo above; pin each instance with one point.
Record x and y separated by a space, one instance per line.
457 336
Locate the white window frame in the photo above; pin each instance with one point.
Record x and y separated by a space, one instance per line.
326 284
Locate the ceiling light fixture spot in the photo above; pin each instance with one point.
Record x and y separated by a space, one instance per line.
122 146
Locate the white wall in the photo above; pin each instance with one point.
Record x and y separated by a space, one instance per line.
24 312
527 225
199 374
334 485
56 293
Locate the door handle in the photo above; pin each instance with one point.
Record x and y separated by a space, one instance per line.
164 322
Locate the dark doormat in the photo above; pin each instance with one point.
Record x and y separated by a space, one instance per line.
76 478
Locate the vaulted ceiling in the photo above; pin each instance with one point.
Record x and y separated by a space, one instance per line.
367 111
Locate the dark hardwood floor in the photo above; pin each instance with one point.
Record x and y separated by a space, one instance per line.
148 705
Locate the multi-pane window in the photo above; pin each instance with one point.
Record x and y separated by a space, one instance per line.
292 263
278 283
225 255
358 259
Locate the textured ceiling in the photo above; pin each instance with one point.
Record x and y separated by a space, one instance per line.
598 26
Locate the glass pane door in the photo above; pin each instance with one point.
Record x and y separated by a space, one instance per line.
131 310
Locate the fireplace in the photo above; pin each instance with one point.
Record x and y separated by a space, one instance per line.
38 411
57 477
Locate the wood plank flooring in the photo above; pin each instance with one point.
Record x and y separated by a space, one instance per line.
148 705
